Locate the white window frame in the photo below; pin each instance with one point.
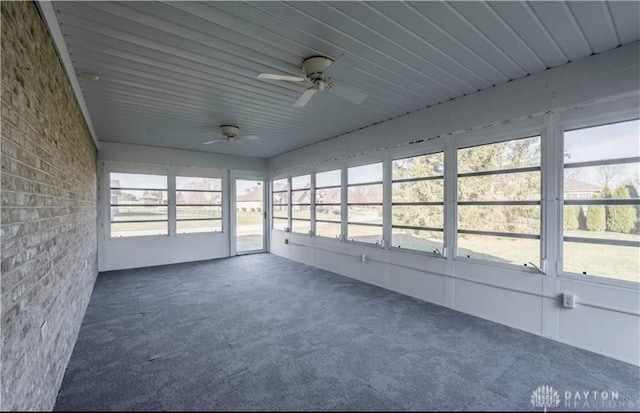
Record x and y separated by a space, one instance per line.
288 205
581 118
502 133
137 170
109 167
314 192
310 204
362 161
403 154
221 205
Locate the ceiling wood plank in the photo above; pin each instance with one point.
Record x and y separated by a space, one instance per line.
171 71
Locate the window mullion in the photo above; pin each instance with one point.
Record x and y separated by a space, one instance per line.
450 199
171 201
312 206
387 177
551 207
344 192
289 203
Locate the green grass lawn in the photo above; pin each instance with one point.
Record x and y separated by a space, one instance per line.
621 262
249 218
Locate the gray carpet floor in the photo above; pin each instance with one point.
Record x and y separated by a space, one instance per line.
260 332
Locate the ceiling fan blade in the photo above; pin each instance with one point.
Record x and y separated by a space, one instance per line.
250 137
305 97
270 76
213 141
347 93
342 64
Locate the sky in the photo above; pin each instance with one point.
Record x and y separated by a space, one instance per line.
245 185
329 178
140 181
365 173
619 140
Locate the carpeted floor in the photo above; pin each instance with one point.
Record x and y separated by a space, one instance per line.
260 332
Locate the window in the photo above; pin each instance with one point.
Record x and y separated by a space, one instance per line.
499 201
198 204
138 205
364 203
301 204
280 203
328 204
417 203
601 204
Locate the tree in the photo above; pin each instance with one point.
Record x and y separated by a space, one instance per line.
419 191
582 220
127 197
597 214
596 218
608 172
621 218
633 193
606 194
500 187
494 187
571 214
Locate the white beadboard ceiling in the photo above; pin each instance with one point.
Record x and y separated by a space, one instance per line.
171 71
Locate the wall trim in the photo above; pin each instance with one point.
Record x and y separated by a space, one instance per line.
47 11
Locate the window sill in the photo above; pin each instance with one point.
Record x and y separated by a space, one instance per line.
199 233
504 266
362 243
416 252
601 281
139 236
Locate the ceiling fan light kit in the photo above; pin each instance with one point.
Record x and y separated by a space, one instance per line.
230 134
313 67
229 131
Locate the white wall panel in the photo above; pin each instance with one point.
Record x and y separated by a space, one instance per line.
601 331
278 246
417 284
135 252
329 261
507 307
121 152
301 246
516 279
617 298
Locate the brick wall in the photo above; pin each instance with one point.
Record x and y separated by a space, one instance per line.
48 218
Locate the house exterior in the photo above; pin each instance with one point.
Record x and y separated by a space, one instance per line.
574 189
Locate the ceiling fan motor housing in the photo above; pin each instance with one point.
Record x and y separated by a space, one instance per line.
229 131
314 66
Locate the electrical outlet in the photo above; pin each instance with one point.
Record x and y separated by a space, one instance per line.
569 300
286 241
363 258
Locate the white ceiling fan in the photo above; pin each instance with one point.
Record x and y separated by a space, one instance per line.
319 71
230 134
